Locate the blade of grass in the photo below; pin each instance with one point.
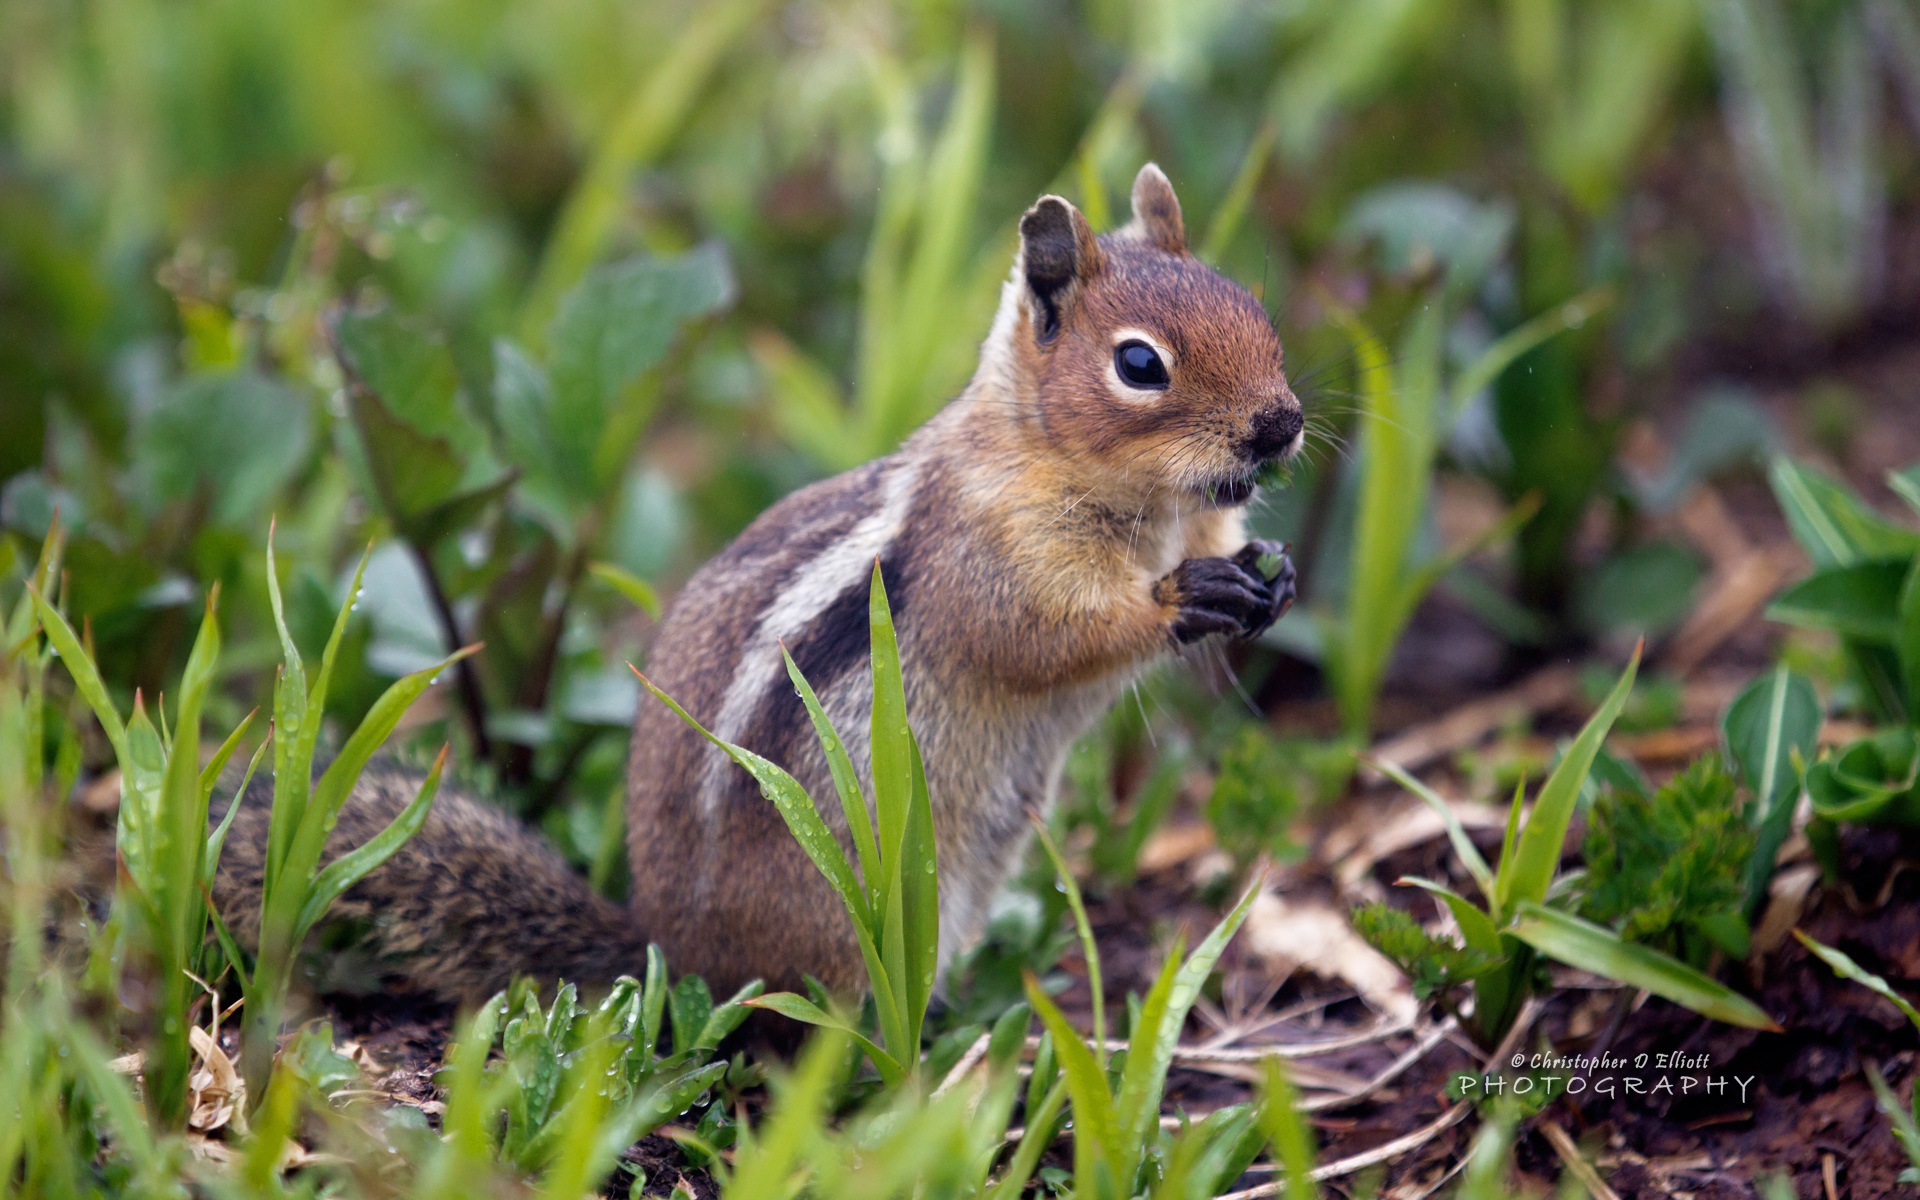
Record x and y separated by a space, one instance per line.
1475 925
1526 873
1098 1141
1292 1140
355 865
1089 948
799 1008
1597 949
649 119
1463 847
1843 965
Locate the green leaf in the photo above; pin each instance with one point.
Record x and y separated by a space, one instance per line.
1861 600
799 1008
1836 528
1089 947
1099 1143
237 436
1288 1131
1906 485
1905 1120
638 591
421 447
1907 643
1876 779
794 805
217 839
853 802
1844 966
1475 925
1528 869
1033 1143
1495 359
350 868
86 677
1774 718
1156 1034
337 782
1463 847
619 323
1594 948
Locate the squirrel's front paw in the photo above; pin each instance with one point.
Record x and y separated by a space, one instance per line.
1241 595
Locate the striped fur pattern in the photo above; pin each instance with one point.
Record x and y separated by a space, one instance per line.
1048 535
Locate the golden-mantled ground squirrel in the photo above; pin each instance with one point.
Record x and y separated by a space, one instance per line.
1073 516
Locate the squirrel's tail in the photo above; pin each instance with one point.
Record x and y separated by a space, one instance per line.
471 901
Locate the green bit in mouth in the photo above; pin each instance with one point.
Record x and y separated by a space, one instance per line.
1275 475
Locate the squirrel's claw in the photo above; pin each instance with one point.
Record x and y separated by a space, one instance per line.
1233 596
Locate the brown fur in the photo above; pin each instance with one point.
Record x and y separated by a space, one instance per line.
1043 539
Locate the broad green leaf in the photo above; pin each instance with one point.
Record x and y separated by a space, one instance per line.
420 445
1528 869
1874 780
1776 717
356 864
1861 600
1831 523
237 437
1597 949
638 591
619 323
1463 847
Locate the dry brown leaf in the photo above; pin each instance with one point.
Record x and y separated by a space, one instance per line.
1315 935
1172 845
216 1090
1466 725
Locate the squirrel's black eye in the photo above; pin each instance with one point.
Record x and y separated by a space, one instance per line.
1139 365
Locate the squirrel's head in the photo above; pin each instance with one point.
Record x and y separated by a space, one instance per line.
1128 353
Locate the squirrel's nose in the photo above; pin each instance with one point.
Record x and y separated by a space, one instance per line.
1274 430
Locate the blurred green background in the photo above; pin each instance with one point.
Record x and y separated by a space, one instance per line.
545 302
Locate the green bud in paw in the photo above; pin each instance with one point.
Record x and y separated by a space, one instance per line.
1269 564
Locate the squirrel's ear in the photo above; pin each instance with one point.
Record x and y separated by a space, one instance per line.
1057 252
1156 210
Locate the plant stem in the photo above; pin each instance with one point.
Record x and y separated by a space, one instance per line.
472 700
